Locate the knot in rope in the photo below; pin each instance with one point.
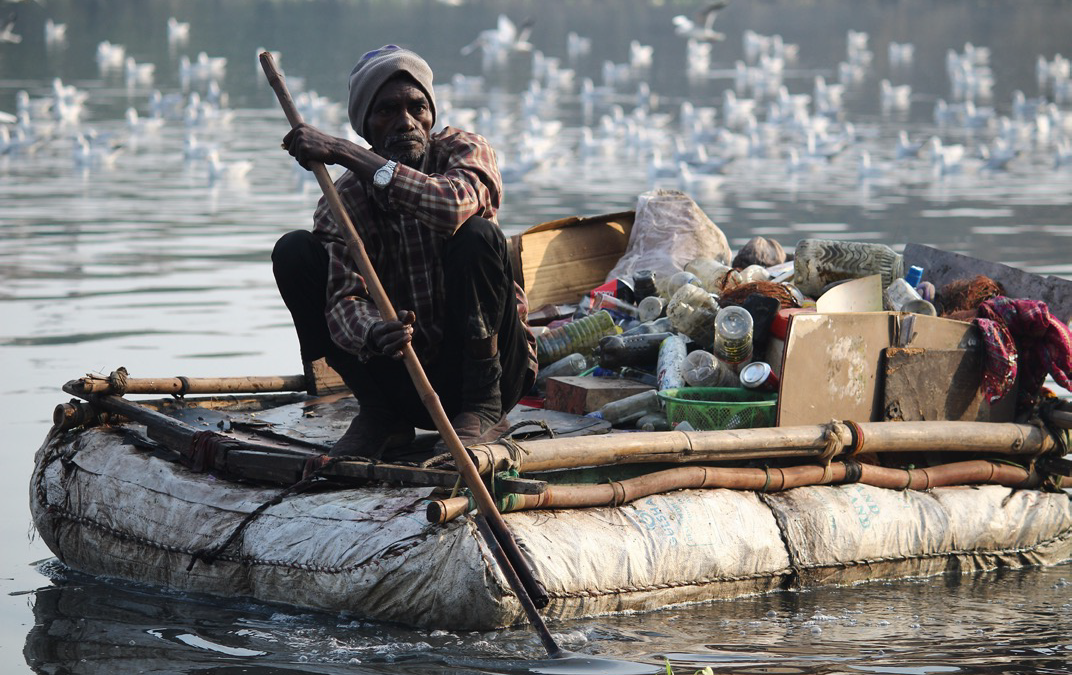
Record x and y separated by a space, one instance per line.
834 445
117 381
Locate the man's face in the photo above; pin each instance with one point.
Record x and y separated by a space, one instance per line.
400 121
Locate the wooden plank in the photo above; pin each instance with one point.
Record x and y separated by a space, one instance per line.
582 395
940 267
561 260
934 384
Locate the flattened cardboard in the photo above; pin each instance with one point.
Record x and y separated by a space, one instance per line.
834 364
561 260
831 366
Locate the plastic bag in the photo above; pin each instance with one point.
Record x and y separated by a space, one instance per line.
669 231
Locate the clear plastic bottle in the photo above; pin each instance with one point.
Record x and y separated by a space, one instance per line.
733 336
571 364
671 356
710 272
650 308
819 262
579 335
754 273
677 281
692 311
901 297
702 369
630 408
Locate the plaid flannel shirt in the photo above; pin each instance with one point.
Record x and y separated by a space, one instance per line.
405 228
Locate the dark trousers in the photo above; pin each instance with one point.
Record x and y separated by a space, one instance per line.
480 300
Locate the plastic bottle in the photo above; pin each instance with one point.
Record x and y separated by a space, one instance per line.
614 305
754 273
579 335
710 272
650 308
630 408
643 285
642 376
692 311
819 262
901 297
641 349
733 336
677 281
653 422
671 356
566 366
702 369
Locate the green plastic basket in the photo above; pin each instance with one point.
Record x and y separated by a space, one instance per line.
713 408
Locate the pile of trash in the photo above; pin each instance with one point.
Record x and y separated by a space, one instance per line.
719 323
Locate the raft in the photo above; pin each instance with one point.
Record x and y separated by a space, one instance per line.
109 505
193 495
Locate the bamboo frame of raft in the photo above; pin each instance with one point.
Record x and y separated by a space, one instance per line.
835 439
616 493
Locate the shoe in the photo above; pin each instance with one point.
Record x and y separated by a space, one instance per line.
373 433
472 429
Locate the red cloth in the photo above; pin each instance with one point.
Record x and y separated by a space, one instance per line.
1022 336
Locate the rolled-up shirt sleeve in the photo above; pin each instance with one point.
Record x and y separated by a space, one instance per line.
470 186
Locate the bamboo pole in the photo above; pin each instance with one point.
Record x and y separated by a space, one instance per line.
767 443
615 493
512 563
180 386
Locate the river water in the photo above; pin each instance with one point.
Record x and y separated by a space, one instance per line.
154 261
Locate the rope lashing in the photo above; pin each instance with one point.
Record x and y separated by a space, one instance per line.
117 381
834 445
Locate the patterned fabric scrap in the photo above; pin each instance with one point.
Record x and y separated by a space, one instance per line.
1021 335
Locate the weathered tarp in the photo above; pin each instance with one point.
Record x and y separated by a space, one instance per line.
106 508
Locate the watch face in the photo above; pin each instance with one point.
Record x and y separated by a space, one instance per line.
383 175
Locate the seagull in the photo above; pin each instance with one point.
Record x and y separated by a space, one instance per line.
577 46
225 172
110 56
497 43
139 125
702 26
55 33
906 148
177 31
897 97
7 30
640 55
89 154
138 73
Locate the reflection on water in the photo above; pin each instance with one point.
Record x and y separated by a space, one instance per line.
139 251
1000 622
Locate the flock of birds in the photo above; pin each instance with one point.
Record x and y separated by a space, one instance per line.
685 143
694 146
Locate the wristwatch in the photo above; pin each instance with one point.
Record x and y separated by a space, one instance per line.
384 174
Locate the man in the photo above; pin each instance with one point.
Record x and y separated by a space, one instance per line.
423 204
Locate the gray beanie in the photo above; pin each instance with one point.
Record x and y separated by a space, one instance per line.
373 71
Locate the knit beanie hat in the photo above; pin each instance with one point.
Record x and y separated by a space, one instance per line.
373 71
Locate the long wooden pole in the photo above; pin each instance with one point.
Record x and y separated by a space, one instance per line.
512 562
93 384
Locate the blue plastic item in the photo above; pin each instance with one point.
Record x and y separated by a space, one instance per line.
914 275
